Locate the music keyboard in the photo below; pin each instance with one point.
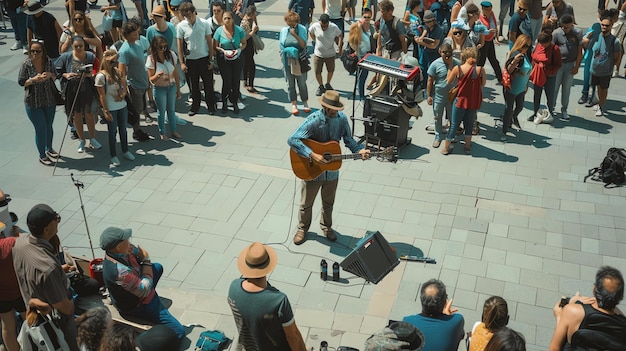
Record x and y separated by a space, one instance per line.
388 67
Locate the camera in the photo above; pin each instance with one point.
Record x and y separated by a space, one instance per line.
564 301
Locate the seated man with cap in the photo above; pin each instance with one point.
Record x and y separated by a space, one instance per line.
131 279
327 124
263 314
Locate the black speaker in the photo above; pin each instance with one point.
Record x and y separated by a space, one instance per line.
372 258
386 119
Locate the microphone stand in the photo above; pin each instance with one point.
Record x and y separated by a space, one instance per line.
70 115
79 185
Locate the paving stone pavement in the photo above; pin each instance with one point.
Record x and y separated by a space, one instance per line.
513 219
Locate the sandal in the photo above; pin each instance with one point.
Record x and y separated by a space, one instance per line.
307 109
252 90
295 112
476 128
46 161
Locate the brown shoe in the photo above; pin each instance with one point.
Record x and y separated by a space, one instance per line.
300 237
330 234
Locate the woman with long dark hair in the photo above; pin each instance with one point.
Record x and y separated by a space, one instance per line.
163 75
112 89
250 27
76 68
37 76
80 25
228 43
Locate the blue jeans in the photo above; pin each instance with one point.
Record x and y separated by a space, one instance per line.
18 22
291 85
118 124
438 110
42 119
154 311
458 115
362 77
165 98
565 79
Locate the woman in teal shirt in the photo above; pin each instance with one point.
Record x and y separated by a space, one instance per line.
519 68
228 43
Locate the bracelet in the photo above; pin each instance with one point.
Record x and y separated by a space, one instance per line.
146 264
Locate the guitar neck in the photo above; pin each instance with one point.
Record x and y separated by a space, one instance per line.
355 156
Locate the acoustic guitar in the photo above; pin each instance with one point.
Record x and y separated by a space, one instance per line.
307 169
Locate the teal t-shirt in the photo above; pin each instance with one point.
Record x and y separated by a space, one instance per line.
519 80
134 57
439 70
229 43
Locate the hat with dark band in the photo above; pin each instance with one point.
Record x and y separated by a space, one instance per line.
256 261
331 100
33 7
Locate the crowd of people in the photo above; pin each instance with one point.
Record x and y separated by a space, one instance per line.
546 50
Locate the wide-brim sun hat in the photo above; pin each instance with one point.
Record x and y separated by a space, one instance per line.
256 260
32 7
331 100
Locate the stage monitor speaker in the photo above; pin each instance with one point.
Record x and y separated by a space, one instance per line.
372 258
392 125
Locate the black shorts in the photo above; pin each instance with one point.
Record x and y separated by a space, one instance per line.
8 306
601 81
117 24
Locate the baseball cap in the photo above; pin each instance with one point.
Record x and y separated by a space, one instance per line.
112 236
39 217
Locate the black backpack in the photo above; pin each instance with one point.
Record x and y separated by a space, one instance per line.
611 170
349 59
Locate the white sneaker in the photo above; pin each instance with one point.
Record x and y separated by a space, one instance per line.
180 121
129 156
115 161
599 112
81 146
16 46
95 144
241 105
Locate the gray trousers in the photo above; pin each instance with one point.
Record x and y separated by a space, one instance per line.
309 193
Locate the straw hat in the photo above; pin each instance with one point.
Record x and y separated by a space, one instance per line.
32 7
331 100
256 261
159 11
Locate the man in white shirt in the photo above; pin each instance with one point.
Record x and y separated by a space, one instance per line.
195 46
324 33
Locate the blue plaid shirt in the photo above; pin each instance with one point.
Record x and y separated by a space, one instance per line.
322 128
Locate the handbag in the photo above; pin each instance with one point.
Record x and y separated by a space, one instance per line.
58 96
305 64
212 340
506 78
349 59
538 75
257 42
454 91
43 335
107 23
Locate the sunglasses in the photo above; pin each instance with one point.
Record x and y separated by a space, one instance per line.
77 46
79 19
33 51
605 25
367 17
174 8
163 47
522 9
525 46
457 33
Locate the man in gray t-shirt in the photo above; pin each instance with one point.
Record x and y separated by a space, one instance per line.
606 51
569 39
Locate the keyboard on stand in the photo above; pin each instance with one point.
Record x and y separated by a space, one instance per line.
391 68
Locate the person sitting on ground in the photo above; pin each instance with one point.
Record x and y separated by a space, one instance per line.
442 328
597 317
495 317
506 339
131 278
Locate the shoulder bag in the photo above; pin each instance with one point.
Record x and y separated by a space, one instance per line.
257 42
454 91
43 335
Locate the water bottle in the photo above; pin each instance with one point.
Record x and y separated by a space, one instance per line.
324 346
336 271
324 270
